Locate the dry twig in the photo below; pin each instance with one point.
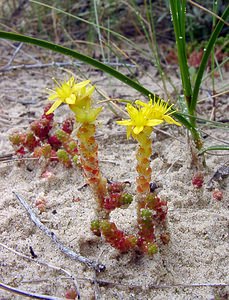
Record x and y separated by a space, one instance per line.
39 262
27 294
14 55
107 283
67 251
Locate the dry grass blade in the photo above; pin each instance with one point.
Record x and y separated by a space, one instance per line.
208 11
215 96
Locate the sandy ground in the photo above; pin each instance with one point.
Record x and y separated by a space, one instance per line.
198 250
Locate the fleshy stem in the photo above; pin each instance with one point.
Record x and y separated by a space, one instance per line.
143 162
151 211
107 199
89 160
146 224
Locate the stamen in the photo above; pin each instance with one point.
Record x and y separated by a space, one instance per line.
57 83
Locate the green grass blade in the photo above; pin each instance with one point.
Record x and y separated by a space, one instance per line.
90 61
178 11
214 148
206 56
68 52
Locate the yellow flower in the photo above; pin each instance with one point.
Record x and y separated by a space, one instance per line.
83 97
159 110
69 92
87 115
139 119
148 114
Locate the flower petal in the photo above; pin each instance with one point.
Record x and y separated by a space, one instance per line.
138 129
53 96
71 99
132 111
125 122
128 131
90 90
82 84
170 120
56 104
153 122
